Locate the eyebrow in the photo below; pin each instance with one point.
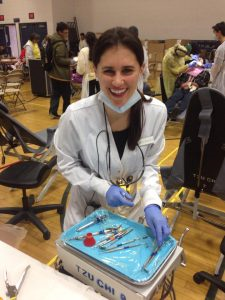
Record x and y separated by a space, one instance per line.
124 67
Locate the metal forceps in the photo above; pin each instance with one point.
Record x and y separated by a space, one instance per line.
13 290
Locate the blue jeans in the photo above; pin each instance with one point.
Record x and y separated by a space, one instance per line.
180 96
59 88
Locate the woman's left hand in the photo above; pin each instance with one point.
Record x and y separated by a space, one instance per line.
157 223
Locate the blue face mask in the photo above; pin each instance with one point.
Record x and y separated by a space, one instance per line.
133 100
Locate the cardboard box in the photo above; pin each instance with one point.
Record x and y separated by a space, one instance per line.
170 43
185 42
159 67
156 51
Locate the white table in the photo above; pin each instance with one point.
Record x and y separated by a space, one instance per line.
41 282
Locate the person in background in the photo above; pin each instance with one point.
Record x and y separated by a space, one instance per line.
218 67
108 144
143 81
185 85
85 67
82 43
173 65
45 41
32 50
3 51
60 72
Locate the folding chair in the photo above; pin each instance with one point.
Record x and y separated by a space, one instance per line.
16 72
2 87
200 161
12 89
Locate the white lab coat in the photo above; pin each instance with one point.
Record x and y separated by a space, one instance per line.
83 68
146 72
29 52
75 142
144 78
82 44
218 69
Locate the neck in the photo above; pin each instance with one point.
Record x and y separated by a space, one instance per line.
222 39
118 121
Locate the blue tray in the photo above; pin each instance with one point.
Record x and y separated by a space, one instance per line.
127 262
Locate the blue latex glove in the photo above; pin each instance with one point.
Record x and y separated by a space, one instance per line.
195 57
115 196
192 64
208 65
157 223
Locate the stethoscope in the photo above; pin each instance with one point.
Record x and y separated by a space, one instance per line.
126 182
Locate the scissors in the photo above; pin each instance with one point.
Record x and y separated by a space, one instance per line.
13 290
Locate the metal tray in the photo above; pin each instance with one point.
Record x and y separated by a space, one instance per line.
124 264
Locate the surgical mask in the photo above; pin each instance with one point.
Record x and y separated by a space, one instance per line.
132 100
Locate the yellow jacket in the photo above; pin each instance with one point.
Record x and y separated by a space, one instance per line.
173 65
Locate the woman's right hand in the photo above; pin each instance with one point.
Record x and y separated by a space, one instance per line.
116 196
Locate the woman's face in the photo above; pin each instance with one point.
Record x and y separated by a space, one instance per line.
118 72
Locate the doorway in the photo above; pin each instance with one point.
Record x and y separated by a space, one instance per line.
26 29
8 39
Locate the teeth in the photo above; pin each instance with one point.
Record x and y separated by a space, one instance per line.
118 92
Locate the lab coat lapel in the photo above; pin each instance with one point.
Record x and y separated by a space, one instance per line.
131 161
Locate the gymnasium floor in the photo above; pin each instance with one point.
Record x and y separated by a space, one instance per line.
201 243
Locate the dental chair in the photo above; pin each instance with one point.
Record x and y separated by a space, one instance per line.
43 139
26 174
200 161
200 166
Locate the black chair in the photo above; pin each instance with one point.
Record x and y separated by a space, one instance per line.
215 280
200 166
200 161
28 175
18 135
13 136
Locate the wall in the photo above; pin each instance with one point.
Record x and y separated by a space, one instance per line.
50 11
42 10
156 19
63 11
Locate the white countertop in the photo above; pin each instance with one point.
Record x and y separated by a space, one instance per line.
41 282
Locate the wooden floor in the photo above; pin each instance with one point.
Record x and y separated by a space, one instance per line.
201 244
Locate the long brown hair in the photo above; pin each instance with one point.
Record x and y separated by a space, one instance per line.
122 36
90 40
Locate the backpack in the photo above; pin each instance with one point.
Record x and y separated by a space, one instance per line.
49 55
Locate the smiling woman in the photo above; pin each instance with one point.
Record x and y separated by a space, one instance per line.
118 72
110 142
